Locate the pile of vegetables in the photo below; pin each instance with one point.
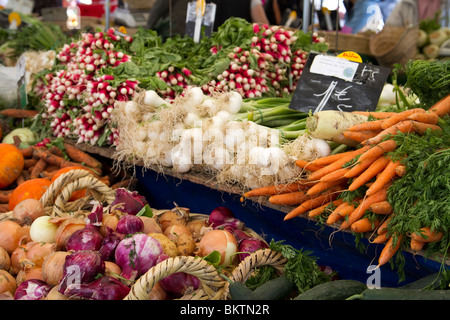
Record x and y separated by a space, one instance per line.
432 35
98 255
390 186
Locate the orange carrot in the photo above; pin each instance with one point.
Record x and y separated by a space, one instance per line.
78 155
4 207
425 234
376 167
367 126
26 152
50 158
378 150
29 163
316 175
384 177
277 189
425 117
324 185
399 117
340 212
400 170
332 176
38 168
5 195
416 245
313 203
382 207
384 226
359 167
389 250
442 107
364 205
360 136
421 127
307 165
18 113
403 127
381 238
376 115
364 225
323 161
319 210
289 199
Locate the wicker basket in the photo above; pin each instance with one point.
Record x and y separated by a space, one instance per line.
259 258
394 45
55 199
358 43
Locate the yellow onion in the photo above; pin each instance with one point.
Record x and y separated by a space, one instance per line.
150 225
5 260
28 273
109 221
112 269
39 252
19 257
7 282
43 230
12 235
219 240
53 266
157 293
26 211
197 228
175 216
173 231
54 294
66 229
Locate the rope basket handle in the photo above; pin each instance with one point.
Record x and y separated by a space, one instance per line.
55 199
212 285
258 258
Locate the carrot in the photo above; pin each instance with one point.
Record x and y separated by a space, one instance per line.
364 205
425 117
50 158
382 207
360 136
321 186
307 165
400 170
376 115
359 167
122 184
18 113
390 248
316 175
399 117
56 151
48 174
427 235
323 161
376 167
378 150
442 107
381 238
421 127
29 163
319 210
364 225
337 174
38 168
77 155
403 127
5 195
4 207
416 245
313 203
277 189
367 126
26 152
21 178
288 199
384 177
384 226
340 212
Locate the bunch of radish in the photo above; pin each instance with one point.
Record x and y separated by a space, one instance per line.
173 77
78 98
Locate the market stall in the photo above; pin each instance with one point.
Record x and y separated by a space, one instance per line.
250 163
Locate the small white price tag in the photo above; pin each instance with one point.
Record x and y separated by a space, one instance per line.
333 66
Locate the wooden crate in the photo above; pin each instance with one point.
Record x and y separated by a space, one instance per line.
359 43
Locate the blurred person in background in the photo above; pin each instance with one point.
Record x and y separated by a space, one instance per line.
410 12
362 16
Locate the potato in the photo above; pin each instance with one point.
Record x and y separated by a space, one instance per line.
185 244
171 217
169 247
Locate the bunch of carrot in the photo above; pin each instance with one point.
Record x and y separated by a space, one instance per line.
368 168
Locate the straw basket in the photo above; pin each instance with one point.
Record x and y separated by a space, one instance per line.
394 45
259 258
212 285
55 199
358 43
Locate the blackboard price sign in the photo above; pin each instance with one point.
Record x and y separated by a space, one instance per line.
334 83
